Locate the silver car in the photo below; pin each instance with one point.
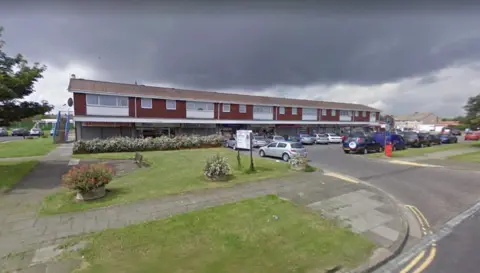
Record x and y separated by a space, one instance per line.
231 143
321 139
259 141
3 131
283 149
275 139
333 138
307 139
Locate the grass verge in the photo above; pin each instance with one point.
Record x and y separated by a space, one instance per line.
422 151
26 147
170 172
12 171
469 157
239 237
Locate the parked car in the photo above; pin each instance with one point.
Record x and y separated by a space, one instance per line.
456 132
397 141
333 138
231 142
321 139
424 140
259 141
283 149
359 144
20 132
307 139
275 139
472 135
434 139
411 139
3 131
448 138
292 139
36 132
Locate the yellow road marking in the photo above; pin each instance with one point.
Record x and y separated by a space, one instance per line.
428 261
422 216
341 176
413 262
412 163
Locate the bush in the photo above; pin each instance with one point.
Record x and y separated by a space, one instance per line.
298 162
217 168
127 144
88 177
44 136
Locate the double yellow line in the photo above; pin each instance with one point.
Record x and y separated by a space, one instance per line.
425 262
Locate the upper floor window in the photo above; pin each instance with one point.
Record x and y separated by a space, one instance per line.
334 112
107 101
309 112
294 110
226 108
345 113
281 110
364 113
356 113
200 106
262 109
146 103
242 108
171 105
324 112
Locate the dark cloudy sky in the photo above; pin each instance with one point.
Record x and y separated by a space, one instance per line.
401 58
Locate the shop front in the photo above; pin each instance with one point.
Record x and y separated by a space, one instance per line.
262 129
228 130
91 130
198 129
156 129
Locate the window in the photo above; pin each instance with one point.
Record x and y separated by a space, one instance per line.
344 113
171 105
146 103
334 112
200 106
309 112
272 145
262 109
282 110
108 101
356 113
294 110
282 145
242 108
324 112
226 108
364 114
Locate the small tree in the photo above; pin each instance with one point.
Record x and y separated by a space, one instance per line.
17 81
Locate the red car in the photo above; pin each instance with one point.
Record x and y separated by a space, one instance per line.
472 135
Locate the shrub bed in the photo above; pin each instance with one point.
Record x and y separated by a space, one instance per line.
128 144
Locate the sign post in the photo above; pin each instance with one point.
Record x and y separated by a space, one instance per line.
252 167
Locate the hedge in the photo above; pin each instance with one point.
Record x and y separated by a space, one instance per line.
127 144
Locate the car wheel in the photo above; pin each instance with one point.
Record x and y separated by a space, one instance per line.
234 147
285 157
365 151
380 149
262 153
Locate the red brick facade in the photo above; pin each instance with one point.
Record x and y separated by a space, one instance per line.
234 112
80 104
288 114
159 109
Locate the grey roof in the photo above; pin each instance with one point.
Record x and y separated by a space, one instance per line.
420 116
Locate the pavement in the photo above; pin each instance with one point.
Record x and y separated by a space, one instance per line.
358 206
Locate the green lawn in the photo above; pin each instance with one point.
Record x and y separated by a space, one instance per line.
12 171
234 238
410 152
470 157
26 147
171 172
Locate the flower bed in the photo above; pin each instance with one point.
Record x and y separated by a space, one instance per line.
127 144
88 180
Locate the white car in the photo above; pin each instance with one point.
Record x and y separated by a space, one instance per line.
283 149
333 138
321 139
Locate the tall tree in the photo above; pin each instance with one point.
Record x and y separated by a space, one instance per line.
17 80
473 110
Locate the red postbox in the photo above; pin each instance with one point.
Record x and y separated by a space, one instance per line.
388 149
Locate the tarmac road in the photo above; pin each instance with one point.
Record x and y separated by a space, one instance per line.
9 138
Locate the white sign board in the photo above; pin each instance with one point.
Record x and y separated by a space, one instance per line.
243 139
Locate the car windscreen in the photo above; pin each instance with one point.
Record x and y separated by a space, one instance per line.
296 145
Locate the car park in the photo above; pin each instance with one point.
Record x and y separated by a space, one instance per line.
333 138
434 139
36 132
472 135
321 139
3 131
397 141
423 140
20 132
283 149
307 139
259 141
448 138
361 144
411 139
275 138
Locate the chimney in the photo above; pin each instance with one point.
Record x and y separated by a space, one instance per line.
73 76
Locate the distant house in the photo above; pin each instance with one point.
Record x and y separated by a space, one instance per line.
420 121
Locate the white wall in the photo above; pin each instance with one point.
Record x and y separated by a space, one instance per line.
200 114
106 111
345 118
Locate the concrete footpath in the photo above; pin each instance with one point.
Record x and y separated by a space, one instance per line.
364 209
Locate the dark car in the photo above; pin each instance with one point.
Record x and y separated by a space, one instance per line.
448 138
397 141
434 139
3 131
20 132
456 132
423 140
361 144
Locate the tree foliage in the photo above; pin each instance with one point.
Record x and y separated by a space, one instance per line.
473 111
17 81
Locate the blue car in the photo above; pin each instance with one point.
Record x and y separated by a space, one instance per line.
448 138
397 141
359 143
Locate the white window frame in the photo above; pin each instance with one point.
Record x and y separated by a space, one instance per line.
195 106
309 112
345 113
144 104
120 102
226 108
173 104
356 114
364 114
294 110
334 112
242 108
324 112
281 110
262 109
